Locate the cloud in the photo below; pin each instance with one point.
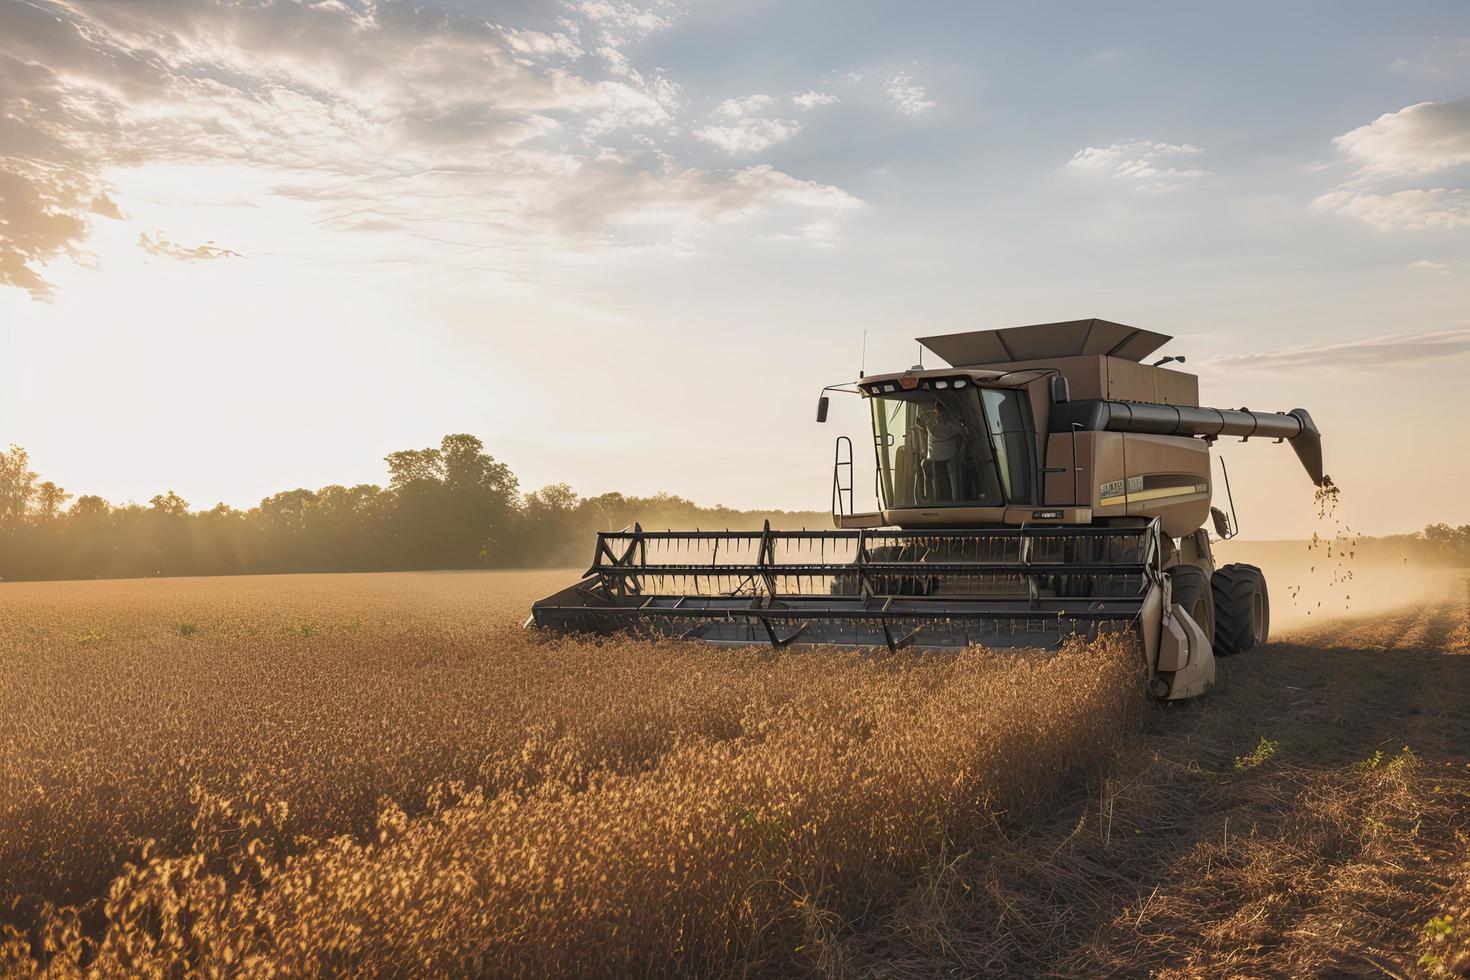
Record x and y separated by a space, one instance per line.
909 98
740 130
821 233
814 100
1368 354
1429 265
647 104
163 248
1145 163
747 136
1445 57
43 213
746 106
430 127
1417 139
630 19
1107 56
787 189
1435 207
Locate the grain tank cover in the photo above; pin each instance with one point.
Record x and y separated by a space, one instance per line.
1042 341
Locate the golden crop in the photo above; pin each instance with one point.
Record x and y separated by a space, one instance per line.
384 774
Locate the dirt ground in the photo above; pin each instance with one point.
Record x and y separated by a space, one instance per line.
1308 817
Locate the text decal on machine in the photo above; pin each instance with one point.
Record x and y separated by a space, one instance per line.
1117 488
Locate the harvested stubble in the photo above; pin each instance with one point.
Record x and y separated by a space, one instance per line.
1307 818
380 774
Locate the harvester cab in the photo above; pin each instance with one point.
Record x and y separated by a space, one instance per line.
1046 484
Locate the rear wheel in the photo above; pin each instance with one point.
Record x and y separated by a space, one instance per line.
1242 608
1191 592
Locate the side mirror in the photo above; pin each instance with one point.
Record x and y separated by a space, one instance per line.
1061 391
822 408
1222 524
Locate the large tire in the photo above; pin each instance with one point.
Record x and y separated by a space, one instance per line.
1242 609
1190 589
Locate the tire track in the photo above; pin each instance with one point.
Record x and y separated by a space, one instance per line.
1433 625
1458 640
1376 632
1430 628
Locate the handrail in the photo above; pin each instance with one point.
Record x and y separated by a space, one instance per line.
838 463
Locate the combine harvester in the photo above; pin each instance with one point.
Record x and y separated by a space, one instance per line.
1048 484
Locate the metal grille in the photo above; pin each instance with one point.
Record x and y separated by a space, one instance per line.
1013 562
1011 586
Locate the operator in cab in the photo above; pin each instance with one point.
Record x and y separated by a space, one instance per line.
940 454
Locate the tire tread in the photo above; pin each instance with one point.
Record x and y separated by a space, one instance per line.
1189 584
1235 586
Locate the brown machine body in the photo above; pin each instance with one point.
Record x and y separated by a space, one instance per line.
1116 443
1085 474
1047 484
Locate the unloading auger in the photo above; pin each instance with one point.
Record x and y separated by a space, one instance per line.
1048 484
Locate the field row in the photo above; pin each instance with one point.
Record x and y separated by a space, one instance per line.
383 773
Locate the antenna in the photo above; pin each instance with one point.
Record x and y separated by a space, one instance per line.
921 356
863 363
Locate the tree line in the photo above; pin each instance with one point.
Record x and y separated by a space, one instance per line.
450 506
1445 543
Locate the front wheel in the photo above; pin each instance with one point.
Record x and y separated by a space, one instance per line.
1191 592
1242 608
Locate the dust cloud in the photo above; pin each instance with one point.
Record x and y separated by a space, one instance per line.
1338 573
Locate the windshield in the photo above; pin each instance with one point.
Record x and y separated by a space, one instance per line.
954 448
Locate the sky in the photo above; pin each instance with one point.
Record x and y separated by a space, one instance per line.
250 246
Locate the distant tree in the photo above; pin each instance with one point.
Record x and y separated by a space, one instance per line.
226 541
48 500
1448 543
89 507
348 525
82 540
483 496
558 498
414 466
169 504
17 484
554 527
468 467
454 507
450 506
286 512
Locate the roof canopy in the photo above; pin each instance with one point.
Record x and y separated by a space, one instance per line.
1045 340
